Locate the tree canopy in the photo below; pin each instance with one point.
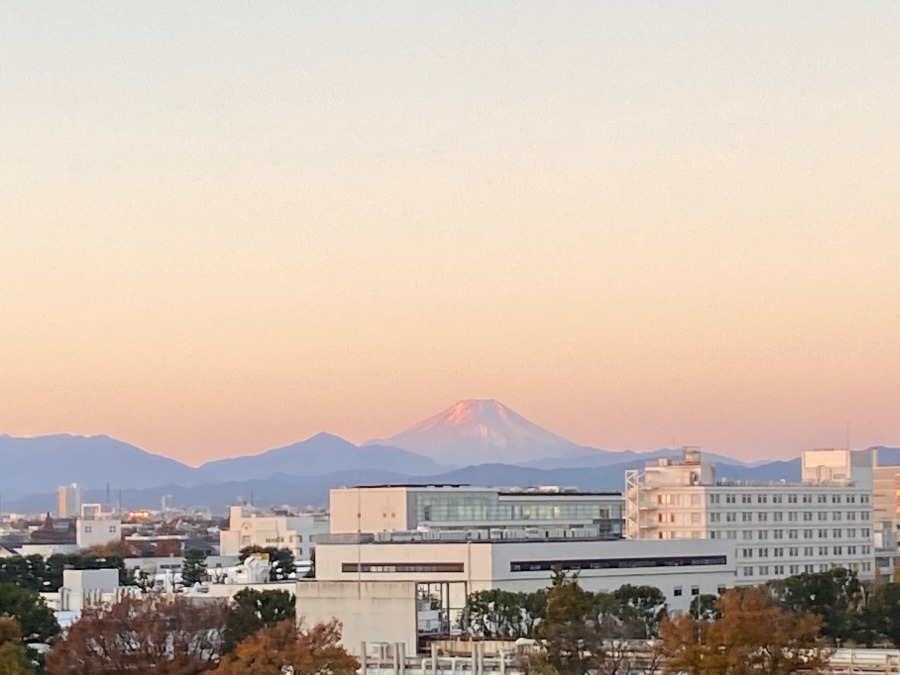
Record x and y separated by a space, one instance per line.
751 634
276 649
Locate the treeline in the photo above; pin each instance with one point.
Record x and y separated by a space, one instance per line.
634 611
254 632
849 611
45 575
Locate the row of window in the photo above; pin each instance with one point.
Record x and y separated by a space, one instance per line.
616 563
794 551
402 567
780 570
777 516
788 499
809 533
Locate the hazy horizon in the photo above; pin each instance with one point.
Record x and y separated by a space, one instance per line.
226 228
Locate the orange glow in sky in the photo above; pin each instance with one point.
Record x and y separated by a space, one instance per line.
225 229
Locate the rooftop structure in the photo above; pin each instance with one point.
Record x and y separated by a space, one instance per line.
474 512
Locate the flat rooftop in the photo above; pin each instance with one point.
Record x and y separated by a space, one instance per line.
506 491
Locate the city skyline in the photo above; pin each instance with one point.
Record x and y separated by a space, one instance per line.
226 229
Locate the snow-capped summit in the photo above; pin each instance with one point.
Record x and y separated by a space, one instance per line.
477 431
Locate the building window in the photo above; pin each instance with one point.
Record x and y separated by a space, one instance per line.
730 517
748 552
112 529
87 529
776 499
778 534
677 592
779 552
763 553
792 534
762 516
836 533
792 516
402 567
838 550
823 515
748 571
851 515
610 563
746 499
835 499
807 515
747 535
778 516
762 535
807 499
763 570
747 516
792 499
695 590
822 499
836 515
729 499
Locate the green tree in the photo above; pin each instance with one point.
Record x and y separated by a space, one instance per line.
703 606
645 604
891 612
254 610
36 620
13 658
281 561
835 596
569 630
193 570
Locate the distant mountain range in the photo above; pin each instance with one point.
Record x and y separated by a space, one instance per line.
475 442
476 431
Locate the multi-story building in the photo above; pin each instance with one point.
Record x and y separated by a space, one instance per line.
68 500
777 529
462 511
248 526
93 527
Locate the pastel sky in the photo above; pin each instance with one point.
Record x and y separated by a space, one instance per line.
228 226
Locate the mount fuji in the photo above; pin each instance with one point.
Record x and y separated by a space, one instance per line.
479 431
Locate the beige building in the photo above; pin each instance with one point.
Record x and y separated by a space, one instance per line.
248 526
68 500
473 512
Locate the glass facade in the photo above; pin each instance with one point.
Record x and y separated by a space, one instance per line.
486 509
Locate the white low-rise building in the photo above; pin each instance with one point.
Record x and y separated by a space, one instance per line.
248 526
775 529
681 570
93 527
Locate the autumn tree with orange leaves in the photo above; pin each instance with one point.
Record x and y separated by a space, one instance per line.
142 634
750 634
283 648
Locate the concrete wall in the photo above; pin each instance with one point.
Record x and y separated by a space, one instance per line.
380 510
97 531
369 611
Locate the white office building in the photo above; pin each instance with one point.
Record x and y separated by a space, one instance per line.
681 570
93 527
463 511
248 526
775 529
